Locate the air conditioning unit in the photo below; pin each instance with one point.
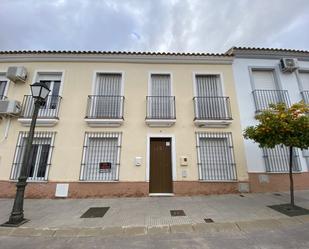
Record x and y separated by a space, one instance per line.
17 74
9 108
288 65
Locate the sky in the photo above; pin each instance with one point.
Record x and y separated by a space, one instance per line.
153 25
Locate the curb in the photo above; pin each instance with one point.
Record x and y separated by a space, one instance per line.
232 227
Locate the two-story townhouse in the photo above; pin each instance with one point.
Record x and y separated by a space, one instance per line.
264 76
124 124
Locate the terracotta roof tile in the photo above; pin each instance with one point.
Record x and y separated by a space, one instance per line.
108 53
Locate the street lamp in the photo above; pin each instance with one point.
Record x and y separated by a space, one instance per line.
39 92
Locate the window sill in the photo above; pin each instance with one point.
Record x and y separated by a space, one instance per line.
160 122
44 122
212 123
88 181
32 181
93 122
218 181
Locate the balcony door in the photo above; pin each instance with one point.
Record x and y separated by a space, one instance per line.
266 89
209 100
160 98
107 100
53 82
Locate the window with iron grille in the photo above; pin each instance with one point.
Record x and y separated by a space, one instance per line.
101 156
41 153
277 159
3 86
215 156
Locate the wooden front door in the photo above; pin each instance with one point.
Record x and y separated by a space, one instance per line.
160 166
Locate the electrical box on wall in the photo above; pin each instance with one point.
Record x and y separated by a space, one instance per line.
183 161
138 161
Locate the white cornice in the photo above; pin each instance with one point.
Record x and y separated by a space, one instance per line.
162 59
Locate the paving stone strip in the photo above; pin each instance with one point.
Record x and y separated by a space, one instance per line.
232 227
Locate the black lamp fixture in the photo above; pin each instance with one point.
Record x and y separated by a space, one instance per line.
39 91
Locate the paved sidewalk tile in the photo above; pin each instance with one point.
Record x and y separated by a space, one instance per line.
248 226
183 228
135 230
108 231
215 227
302 218
158 230
69 232
287 222
27 232
4 231
89 232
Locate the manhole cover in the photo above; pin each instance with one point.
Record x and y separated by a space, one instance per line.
177 213
241 195
208 220
95 212
277 194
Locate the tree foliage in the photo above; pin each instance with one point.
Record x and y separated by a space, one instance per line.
281 125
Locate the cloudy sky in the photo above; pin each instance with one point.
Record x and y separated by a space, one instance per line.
153 25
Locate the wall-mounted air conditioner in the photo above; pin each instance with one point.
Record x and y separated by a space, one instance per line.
9 108
17 74
288 65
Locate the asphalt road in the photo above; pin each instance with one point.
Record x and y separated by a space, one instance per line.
292 237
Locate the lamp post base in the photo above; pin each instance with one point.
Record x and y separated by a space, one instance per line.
15 224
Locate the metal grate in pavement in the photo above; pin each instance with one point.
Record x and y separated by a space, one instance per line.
209 220
177 213
95 212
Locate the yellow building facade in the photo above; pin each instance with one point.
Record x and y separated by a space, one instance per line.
124 124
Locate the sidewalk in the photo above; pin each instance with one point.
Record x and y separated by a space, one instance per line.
137 216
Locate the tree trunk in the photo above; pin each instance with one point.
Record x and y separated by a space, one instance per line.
291 177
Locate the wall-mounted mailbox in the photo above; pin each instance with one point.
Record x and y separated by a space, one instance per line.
184 161
138 161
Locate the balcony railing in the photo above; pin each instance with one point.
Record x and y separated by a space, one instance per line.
50 110
160 107
105 107
212 108
305 96
263 98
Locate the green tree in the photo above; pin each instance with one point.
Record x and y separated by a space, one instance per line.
282 125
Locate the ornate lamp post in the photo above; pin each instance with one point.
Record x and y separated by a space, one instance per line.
39 92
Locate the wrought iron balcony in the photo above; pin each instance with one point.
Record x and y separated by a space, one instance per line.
49 111
160 107
212 108
105 107
263 98
305 96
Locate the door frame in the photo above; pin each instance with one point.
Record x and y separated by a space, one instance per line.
173 156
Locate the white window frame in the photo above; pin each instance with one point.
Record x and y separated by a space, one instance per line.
299 80
38 135
265 68
212 135
3 78
89 135
205 73
94 86
150 73
37 73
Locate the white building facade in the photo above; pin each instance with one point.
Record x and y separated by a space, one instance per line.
260 80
